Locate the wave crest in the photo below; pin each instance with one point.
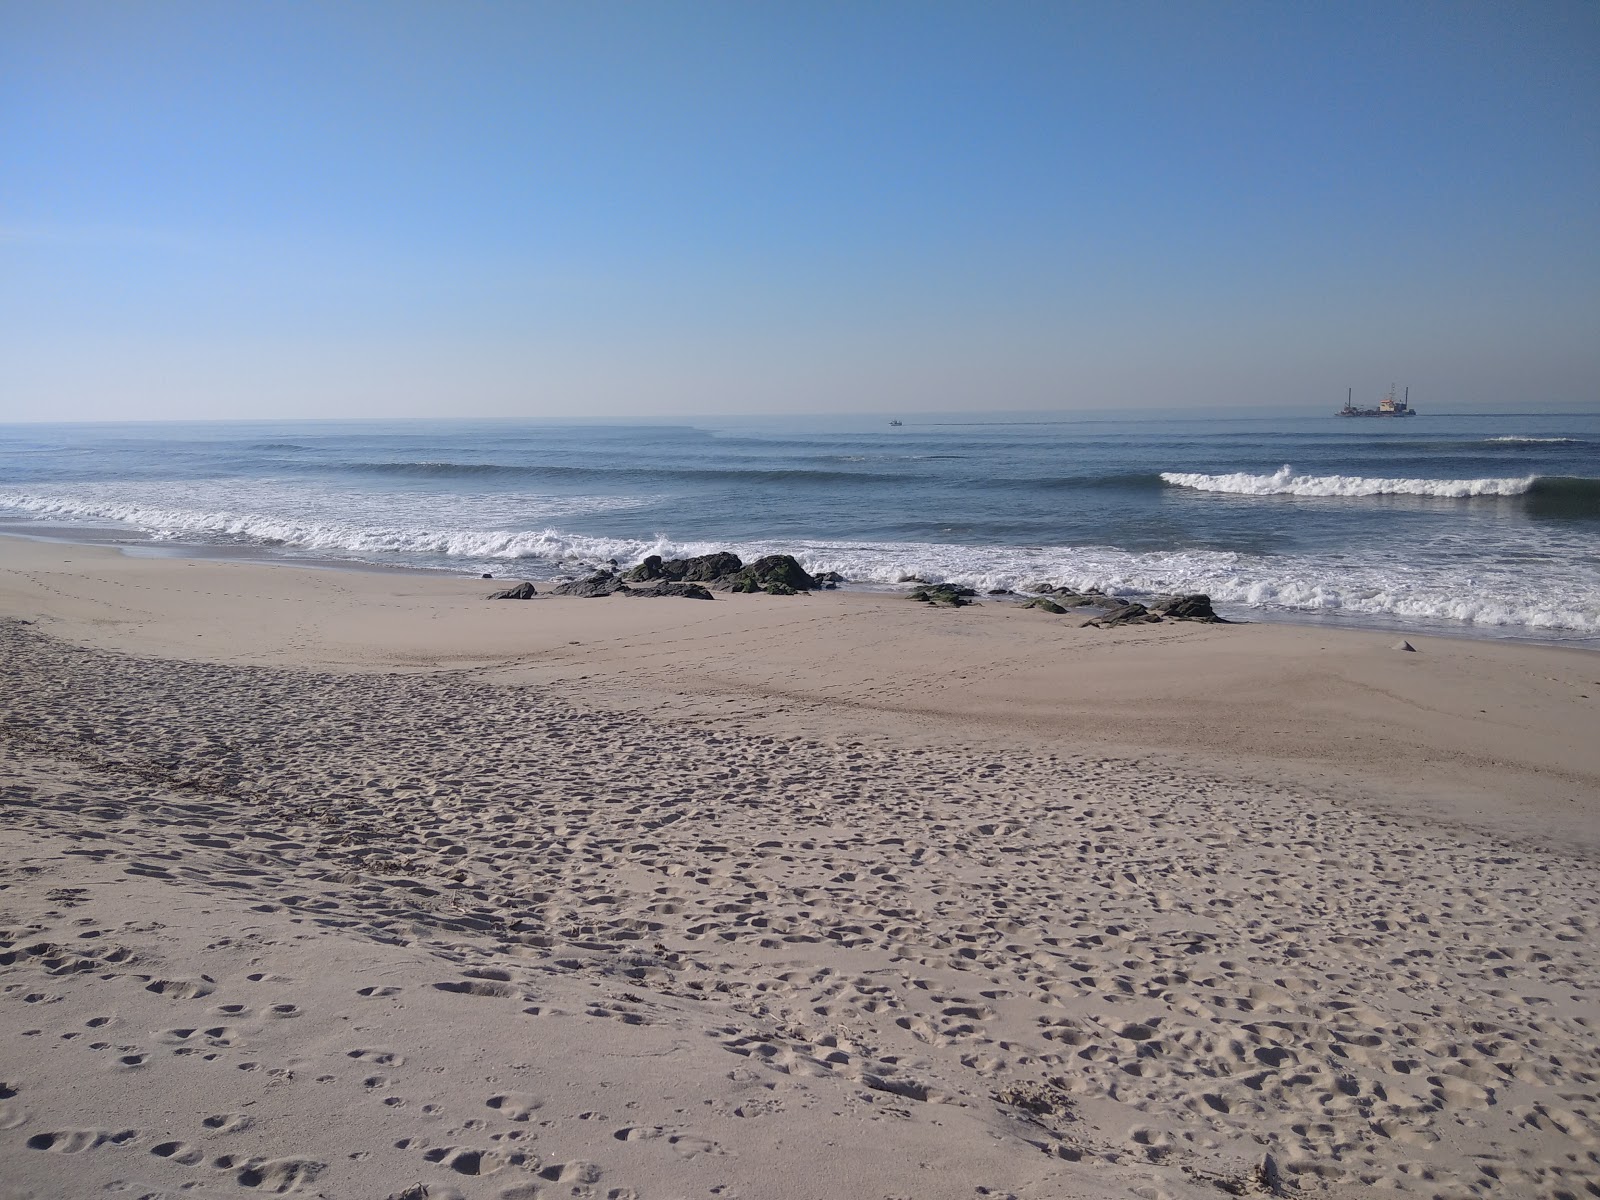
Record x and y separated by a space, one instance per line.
1284 482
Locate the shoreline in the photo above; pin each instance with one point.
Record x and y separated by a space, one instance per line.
139 543
358 883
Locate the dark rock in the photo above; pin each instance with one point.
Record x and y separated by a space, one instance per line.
704 568
651 568
486 575
1045 603
761 575
1193 607
828 577
950 594
671 587
911 579
601 583
523 591
776 574
998 592
1124 614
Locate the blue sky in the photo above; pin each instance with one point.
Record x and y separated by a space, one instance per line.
391 209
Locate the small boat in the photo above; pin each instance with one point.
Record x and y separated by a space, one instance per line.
896 424
1387 407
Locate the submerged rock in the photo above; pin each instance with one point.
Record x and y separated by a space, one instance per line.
523 591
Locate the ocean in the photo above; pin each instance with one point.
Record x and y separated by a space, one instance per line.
1478 525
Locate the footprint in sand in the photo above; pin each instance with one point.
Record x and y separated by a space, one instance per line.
515 1106
75 1141
178 1152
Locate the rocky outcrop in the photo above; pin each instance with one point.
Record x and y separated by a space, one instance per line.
1193 607
523 591
776 574
1044 604
704 568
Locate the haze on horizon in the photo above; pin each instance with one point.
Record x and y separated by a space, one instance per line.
541 210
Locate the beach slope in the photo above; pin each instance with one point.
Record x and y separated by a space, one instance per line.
359 884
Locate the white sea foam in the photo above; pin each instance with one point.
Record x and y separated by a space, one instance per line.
1284 482
1519 438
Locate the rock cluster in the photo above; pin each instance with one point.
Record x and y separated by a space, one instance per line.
776 574
948 594
609 583
1068 597
1193 607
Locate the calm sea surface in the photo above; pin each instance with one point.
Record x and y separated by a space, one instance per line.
1484 525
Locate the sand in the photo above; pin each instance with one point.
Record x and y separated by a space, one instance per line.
356 884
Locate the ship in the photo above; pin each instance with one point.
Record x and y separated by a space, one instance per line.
1387 407
896 423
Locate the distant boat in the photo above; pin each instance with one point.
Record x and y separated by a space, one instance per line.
896 423
1387 407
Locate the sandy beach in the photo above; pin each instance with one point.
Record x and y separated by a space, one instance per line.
358 884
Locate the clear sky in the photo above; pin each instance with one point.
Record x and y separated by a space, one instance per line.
236 209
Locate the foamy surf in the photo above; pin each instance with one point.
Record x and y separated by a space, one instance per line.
1284 482
1561 595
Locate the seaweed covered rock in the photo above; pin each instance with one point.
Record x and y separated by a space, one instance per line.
776 574
522 591
1045 604
949 594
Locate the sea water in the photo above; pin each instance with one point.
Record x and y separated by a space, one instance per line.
1477 524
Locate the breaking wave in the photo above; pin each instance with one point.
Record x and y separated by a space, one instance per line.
1519 439
1284 482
